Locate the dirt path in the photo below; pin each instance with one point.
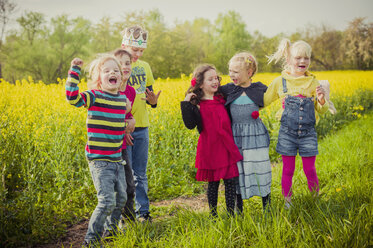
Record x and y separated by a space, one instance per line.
75 234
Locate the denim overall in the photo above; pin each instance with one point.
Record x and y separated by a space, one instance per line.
297 130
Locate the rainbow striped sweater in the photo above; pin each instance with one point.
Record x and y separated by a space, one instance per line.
105 119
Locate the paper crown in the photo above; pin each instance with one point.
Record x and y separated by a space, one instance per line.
129 40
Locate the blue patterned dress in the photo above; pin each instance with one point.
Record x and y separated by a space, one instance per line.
252 138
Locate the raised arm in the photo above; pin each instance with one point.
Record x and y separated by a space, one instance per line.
73 96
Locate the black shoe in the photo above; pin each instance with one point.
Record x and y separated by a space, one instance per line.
129 216
85 243
146 218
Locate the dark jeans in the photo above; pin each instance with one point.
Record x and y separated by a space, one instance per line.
128 211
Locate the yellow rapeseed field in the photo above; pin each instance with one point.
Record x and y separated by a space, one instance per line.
39 114
36 110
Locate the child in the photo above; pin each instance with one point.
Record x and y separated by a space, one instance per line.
124 58
105 126
217 154
135 41
244 98
301 95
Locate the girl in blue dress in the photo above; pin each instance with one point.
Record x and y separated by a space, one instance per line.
244 98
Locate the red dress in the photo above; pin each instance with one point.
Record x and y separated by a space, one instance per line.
217 154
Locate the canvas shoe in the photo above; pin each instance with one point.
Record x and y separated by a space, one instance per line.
146 218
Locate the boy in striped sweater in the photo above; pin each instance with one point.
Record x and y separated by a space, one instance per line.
107 109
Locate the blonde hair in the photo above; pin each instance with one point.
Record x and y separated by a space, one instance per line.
247 61
286 49
94 81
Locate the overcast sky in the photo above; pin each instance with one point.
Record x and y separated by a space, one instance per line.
270 17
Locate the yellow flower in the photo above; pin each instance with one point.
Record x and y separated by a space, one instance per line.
338 189
29 78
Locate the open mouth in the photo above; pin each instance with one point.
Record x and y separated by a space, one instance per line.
113 80
302 66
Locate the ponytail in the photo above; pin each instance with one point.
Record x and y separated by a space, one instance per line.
282 53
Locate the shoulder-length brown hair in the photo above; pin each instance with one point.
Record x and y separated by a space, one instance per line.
199 76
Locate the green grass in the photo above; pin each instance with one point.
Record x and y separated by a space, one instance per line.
340 217
46 185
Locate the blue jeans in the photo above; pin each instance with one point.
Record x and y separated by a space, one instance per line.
289 143
110 183
138 156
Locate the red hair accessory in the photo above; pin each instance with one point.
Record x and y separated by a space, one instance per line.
255 114
193 82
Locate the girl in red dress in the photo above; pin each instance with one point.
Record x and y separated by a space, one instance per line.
217 154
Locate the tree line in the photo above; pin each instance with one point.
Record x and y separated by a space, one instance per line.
43 49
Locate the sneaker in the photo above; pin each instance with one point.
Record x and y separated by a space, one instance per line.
288 205
122 224
86 243
145 218
90 244
129 216
110 234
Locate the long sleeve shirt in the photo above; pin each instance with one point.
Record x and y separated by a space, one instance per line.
105 119
304 85
191 116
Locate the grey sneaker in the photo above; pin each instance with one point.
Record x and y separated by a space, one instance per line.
110 234
91 244
288 205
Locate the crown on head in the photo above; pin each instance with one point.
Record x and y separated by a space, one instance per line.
129 40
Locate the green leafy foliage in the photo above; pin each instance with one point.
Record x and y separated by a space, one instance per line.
43 48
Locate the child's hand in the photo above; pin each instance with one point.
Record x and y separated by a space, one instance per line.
129 139
189 96
77 61
320 92
151 97
130 125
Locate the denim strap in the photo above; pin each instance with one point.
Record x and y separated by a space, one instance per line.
284 88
